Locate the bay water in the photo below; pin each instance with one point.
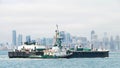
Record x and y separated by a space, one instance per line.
113 61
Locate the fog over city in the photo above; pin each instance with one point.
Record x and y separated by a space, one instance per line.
38 18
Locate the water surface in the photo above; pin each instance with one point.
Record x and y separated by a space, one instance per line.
112 62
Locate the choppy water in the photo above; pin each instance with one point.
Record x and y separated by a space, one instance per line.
112 62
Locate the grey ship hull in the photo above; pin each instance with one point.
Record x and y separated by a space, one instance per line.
76 54
23 54
90 54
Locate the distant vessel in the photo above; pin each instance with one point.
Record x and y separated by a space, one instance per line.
57 51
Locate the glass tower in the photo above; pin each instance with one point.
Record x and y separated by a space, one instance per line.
14 37
28 39
19 39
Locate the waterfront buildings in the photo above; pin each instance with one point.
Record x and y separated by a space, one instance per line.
117 43
94 40
19 42
13 37
66 37
112 47
28 39
111 43
45 41
106 41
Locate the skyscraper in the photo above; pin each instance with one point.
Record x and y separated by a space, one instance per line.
68 38
92 34
83 41
105 41
49 41
65 37
28 39
117 42
62 35
13 37
19 39
112 47
43 41
94 39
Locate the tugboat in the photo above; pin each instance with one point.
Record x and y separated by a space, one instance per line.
57 51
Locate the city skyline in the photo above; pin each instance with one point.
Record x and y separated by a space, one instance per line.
38 18
88 35
111 43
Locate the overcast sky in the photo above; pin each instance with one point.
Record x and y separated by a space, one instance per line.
38 18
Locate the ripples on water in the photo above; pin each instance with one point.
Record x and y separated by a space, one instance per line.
112 62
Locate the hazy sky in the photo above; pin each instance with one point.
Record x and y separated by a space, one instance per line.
38 18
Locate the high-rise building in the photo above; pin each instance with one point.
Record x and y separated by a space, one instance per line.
105 41
94 39
62 35
74 40
67 38
13 37
43 41
92 35
49 41
112 47
33 42
83 41
20 39
117 42
28 39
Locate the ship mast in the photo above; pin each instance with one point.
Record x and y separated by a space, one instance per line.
57 38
